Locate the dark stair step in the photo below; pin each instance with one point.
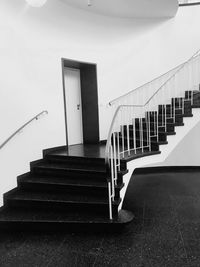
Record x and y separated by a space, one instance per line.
45 168
154 143
196 106
169 110
71 166
59 201
72 160
170 127
56 184
13 219
195 95
162 136
96 163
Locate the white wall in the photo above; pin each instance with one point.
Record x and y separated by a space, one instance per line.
187 151
32 42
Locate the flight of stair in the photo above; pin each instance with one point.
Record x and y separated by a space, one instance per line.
64 192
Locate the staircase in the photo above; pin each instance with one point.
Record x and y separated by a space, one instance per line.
78 187
64 191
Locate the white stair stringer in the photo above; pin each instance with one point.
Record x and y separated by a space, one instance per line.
173 141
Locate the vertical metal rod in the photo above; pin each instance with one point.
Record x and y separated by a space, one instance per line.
165 118
115 158
192 98
142 136
140 139
118 149
110 201
174 110
112 173
149 132
157 127
171 109
128 140
134 135
123 141
183 105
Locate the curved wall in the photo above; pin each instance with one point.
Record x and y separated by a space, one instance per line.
128 53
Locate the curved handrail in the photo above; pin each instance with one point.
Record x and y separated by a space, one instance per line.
120 106
145 84
112 150
22 127
110 131
179 67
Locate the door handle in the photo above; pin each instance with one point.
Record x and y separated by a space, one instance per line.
78 107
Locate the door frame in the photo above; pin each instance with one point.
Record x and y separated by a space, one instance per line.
89 99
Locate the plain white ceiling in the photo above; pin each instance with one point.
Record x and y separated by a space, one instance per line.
129 8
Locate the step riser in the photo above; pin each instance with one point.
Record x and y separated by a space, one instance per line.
64 227
75 160
66 173
154 147
170 128
161 136
66 189
45 205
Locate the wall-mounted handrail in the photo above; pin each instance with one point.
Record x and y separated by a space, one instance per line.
22 127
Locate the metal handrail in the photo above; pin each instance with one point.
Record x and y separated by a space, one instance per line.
110 132
179 67
109 161
22 127
120 106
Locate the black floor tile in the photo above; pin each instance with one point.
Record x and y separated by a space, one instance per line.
164 233
193 251
159 252
34 251
65 258
165 229
187 208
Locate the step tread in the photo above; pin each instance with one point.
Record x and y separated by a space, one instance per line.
15 215
71 166
53 180
144 139
20 194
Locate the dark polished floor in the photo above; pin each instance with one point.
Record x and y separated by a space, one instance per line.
165 232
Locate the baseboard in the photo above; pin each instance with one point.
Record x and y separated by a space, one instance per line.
163 169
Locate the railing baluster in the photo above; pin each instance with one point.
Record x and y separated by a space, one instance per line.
128 140
118 150
142 142
134 135
112 173
110 201
123 141
115 158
